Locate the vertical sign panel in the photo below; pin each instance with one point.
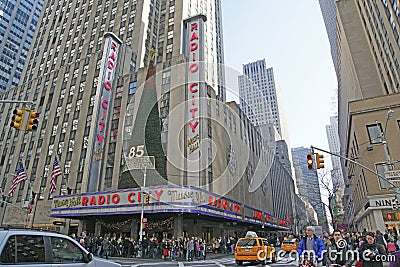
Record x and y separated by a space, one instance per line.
104 97
193 48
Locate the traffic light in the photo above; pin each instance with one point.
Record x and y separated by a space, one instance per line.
146 199
18 118
391 217
32 121
310 162
320 161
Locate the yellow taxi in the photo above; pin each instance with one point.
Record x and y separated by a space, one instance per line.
289 245
254 249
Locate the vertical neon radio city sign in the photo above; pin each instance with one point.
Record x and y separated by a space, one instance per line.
103 98
193 46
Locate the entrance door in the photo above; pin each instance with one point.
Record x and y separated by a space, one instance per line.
208 234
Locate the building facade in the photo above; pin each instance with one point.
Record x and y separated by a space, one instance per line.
18 20
101 112
374 131
365 52
308 184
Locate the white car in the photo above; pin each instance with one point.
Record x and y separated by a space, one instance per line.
23 247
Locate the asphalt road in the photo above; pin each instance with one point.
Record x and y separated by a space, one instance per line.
215 261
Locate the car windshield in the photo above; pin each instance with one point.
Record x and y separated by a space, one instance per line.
247 242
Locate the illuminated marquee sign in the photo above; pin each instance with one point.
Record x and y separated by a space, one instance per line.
174 196
104 96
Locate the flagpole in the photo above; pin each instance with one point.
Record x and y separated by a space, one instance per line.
30 183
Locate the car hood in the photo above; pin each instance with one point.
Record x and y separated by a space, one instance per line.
105 263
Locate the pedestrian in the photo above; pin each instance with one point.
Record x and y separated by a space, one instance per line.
311 247
190 250
371 252
337 251
106 247
380 239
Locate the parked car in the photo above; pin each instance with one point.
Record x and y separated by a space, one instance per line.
25 247
254 249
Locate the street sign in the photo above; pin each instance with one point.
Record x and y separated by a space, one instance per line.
141 163
393 175
395 204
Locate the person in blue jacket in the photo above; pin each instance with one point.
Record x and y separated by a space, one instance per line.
311 242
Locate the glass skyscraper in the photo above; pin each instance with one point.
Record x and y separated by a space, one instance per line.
18 20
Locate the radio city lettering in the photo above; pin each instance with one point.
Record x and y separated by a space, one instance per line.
224 204
193 90
107 87
257 215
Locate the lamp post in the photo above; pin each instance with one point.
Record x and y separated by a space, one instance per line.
142 211
383 136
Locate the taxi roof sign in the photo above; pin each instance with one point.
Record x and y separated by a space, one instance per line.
251 234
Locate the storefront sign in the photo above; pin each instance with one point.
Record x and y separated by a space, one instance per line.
381 202
103 98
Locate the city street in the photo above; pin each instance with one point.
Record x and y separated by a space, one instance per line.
214 261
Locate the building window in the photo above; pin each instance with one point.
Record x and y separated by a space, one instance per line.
374 133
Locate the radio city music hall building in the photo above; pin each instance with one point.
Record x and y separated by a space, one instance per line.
212 170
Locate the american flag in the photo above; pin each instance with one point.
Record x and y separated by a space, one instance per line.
54 174
19 178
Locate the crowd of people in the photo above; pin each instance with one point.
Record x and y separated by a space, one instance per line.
367 249
183 248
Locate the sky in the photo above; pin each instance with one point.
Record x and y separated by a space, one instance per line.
291 36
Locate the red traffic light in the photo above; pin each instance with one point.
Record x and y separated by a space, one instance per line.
32 121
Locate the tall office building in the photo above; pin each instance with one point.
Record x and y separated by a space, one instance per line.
308 184
100 112
18 20
258 94
334 146
367 68
332 132
328 9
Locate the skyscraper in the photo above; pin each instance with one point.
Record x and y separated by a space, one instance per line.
308 184
258 94
334 146
328 9
332 132
18 20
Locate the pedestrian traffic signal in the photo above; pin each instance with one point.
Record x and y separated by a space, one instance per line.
310 162
18 118
391 217
146 199
30 209
319 160
32 121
